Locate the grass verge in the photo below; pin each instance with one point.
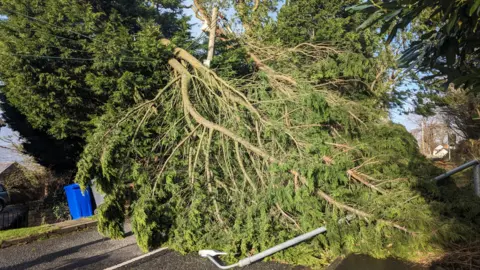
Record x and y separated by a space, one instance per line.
24 232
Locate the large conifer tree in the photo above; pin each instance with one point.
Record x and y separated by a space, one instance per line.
362 71
241 163
66 62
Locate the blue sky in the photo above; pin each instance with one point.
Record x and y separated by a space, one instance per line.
406 120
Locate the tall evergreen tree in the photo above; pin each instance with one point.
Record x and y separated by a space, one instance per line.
364 68
243 163
449 46
64 63
56 154
442 52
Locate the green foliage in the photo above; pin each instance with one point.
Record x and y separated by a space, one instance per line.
363 67
111 215
196 188
60 211
150 222
65 63
231 60
240 164
449 44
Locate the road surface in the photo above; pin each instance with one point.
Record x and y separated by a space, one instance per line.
88 250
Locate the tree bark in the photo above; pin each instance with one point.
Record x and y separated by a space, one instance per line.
211 39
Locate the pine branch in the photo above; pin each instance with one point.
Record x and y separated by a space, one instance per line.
360 213
353 174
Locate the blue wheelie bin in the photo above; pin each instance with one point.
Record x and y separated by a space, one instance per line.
79 203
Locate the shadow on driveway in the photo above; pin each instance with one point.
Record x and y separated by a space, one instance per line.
56 255
94 261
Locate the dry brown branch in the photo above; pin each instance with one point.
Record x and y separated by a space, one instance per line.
198 153
338 145
190 162
377 77
242 168
458 256
367 162
208 174
203 13
298 144
310 50
257 171
359 212
328 160
198 66
298 176
261 66
184 55
200 119
259 137
343 206
227 165
353 174
287 216
356 117
128 114
171 155
295 182
255 7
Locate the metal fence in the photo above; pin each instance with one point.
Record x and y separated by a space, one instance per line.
15 217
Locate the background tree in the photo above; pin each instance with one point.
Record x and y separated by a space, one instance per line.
443 52
365 70
448 48
59 155
64 63
460 109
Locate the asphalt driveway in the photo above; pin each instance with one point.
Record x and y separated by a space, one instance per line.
89 250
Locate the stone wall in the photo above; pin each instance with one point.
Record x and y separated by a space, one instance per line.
39 213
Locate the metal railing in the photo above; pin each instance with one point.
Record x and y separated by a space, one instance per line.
212 255
13 218
476 174
456 170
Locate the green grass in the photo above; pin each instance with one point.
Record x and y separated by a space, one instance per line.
24 232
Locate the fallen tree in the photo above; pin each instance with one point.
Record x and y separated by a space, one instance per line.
243 165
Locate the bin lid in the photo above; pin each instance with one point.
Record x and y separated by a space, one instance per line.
72 186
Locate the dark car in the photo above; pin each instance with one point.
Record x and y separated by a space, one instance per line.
4 198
